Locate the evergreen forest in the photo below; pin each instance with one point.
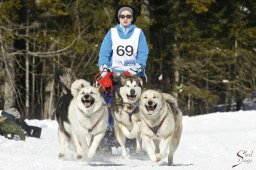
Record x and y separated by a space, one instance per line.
201 51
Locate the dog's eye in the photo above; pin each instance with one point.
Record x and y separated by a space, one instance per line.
83 92
154 97
135 85
92 92
145 97
127 86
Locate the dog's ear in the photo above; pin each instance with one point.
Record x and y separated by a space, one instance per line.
144 89
77 85
123 79
160 91
162 95
74 91
140 82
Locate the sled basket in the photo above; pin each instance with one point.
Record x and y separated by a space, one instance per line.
105 82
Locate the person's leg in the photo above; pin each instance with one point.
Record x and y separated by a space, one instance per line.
110 119
108 99
109 138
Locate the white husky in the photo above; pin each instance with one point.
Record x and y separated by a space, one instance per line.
126 112
83 119
161 121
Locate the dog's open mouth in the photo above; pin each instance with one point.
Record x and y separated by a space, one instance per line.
151 107
131 97
88 102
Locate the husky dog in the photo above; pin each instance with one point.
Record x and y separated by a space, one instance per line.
82 117
126 112
161 121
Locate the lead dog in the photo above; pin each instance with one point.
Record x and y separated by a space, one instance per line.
126 112
82 117
161 121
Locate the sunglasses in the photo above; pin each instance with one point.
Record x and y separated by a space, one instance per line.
127 16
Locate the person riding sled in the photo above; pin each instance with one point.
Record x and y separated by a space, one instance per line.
12 126
124 49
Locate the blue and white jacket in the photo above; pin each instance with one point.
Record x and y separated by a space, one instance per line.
105 55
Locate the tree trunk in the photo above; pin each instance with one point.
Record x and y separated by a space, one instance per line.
27 71
1 81
9 90
32 113
49 91
49 94
176 72
145 12
42 86
9 78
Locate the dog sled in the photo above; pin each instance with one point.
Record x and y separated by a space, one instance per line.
107 82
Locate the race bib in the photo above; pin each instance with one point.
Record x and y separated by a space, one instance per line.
124 50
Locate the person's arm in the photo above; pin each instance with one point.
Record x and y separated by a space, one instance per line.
142 53
105 50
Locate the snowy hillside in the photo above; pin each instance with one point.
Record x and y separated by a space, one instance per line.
209 142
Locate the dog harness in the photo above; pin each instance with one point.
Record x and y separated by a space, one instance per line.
124 50
134 106
155 128
91 129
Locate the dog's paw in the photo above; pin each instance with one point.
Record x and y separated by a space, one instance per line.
153 158
61 155
90 155
125 131
158 157
78 157
139 151
127 156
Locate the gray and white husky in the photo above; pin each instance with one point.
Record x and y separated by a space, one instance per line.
161 122
126 112
83 119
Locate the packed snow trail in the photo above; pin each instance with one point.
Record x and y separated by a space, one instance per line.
208 142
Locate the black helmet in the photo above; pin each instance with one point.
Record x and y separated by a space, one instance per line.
133 13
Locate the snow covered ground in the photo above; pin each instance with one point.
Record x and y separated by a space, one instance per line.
215 141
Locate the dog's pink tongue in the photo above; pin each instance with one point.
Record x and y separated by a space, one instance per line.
151 108
87 104
131 98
